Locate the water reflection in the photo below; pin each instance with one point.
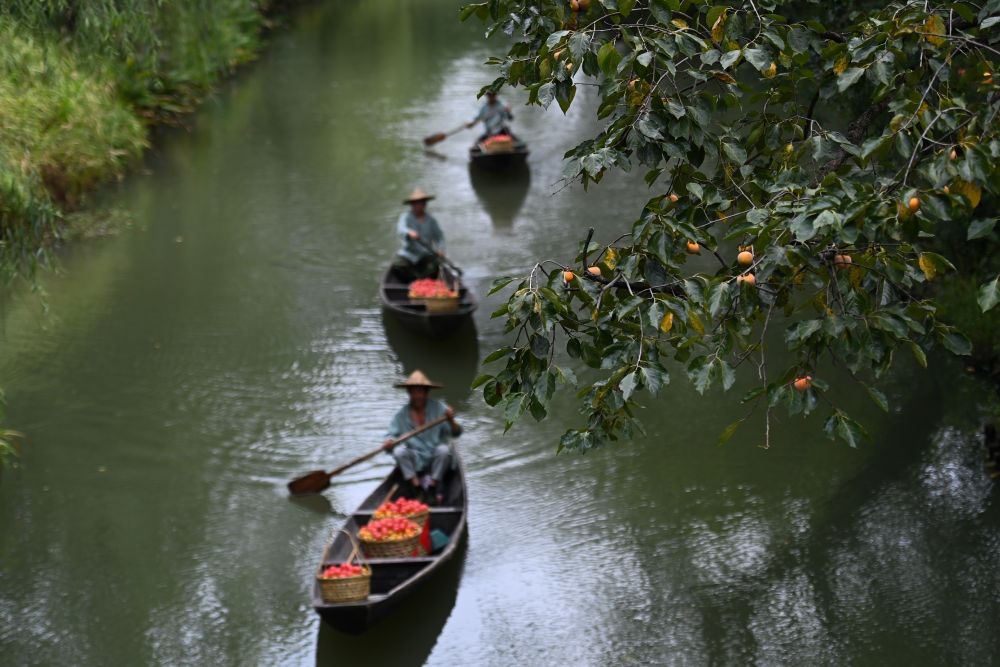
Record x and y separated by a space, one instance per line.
453 361
408 634
317 503
501 193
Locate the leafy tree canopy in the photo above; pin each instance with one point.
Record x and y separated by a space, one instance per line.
838 159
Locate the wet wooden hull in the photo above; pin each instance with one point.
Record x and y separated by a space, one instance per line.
393 579
413 314
499 160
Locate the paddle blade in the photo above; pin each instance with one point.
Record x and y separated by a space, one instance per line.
314 482
434 138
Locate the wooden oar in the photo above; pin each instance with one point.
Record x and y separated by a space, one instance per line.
444 260
440 136
318 480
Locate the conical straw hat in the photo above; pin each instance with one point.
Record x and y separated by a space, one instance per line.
418 379
417 195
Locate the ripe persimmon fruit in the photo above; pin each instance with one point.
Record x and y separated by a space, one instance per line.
693 248
746 277
594 270
745 258
914 204
802 383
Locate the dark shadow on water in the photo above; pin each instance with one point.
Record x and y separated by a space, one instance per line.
501 193
315 502
440 157
408 634
452 361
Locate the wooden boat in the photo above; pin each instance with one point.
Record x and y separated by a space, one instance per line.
393 579
414 314
498 160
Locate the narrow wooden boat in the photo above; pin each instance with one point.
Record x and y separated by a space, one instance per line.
499 160
393 579
413 313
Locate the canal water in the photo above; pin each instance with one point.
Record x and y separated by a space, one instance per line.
231 339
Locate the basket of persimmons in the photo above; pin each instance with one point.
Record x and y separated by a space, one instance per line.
349 581
414 510
392 537
436 295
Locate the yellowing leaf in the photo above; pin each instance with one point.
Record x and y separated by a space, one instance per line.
970 191
840 65
667 323
610 258
717 33
680 23
855 276
935 25
725 78
927 266
696 322
771 71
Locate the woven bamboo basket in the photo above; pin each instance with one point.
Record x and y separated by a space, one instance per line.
498 145
346 589
399 548
390 548
440 304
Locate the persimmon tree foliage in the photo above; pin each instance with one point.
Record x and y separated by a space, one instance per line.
835 154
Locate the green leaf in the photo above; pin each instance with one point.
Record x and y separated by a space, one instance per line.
878 397
546 94
608 58
734 152
848 78
515 406
498 354
480 380
500 283
989 295
955 342
850 431
980 228
628 385
719 297
579 44
728 432
759 58
729 57
918 352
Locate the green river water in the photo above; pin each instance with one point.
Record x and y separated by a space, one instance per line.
232 339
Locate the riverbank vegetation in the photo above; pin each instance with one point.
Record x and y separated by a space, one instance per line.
817 175
82 84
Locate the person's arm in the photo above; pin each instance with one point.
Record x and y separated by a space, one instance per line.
402 229
479 114
456 428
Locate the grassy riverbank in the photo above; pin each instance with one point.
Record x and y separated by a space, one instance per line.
82 84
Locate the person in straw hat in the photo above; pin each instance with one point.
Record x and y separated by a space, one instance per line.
494 113
416 260
423 459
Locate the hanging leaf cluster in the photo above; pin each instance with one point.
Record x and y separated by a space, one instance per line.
817 164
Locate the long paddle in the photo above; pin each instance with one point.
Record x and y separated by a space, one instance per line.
318 480
440 136
444 260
